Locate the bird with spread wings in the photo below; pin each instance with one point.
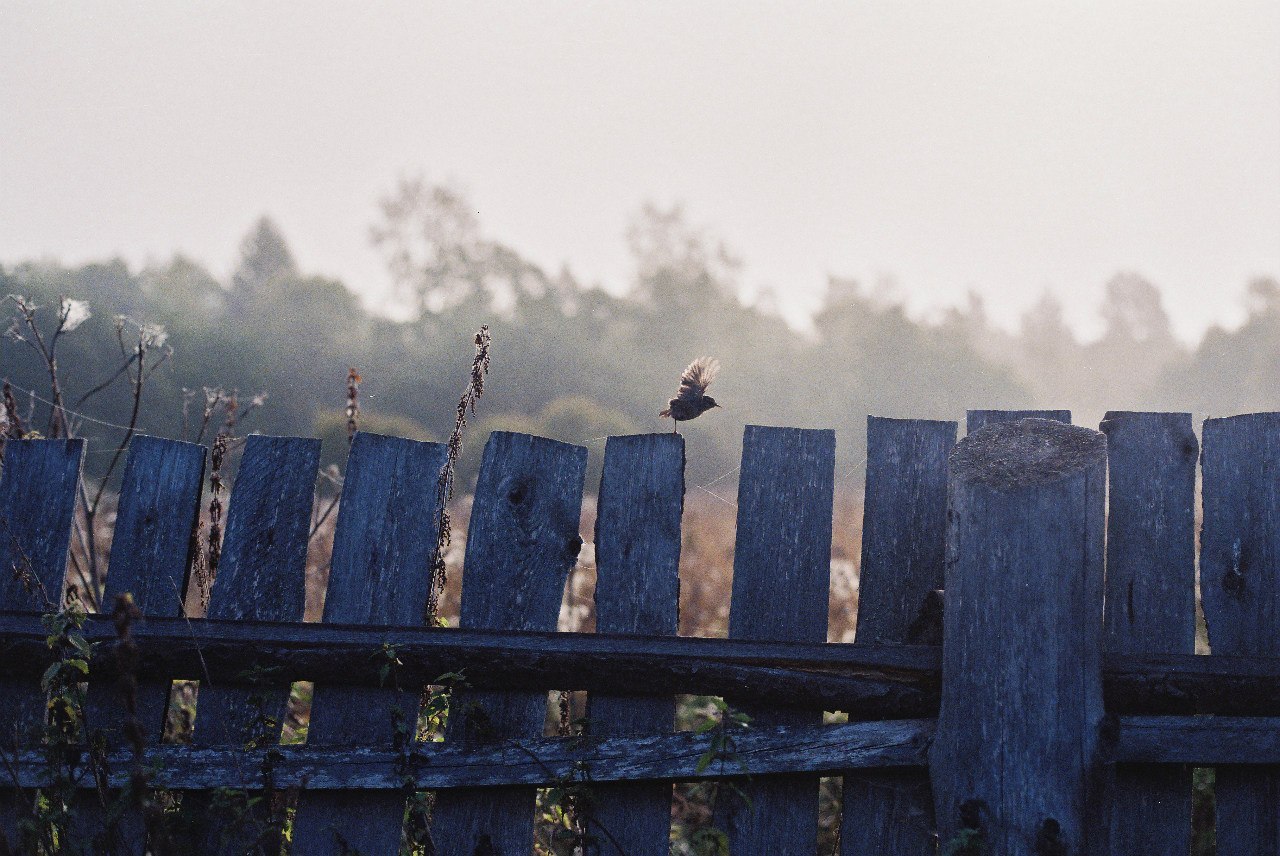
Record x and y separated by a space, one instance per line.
691 400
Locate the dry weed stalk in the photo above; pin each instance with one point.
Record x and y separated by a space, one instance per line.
208 569
140 358
353 404
466 404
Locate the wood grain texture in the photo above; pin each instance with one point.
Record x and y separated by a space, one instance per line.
975 420
1150 601
781 587
528 762
903 525
637 543
1240 587
152 544
1202 741
37 501
151 551
262 576
1022 708
521 542
380 574
903 547
543 761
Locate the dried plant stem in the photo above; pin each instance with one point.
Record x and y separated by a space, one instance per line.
466 404
213 553
353 404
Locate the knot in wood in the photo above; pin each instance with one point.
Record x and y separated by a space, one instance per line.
1028 452
1049 839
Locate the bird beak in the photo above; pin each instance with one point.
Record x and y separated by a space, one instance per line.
719 405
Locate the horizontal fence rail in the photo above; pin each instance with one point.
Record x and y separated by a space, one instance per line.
1011 628
889 681
550 761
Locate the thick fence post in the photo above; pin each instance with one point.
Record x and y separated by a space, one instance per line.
904 516
1240 584
1016 759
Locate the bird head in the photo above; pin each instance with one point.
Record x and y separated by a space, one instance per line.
708 402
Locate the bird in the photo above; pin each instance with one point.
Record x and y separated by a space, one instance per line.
691 400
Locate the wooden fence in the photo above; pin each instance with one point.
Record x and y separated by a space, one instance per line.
1041 724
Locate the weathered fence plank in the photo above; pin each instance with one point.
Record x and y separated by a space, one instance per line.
521 542
151 551
37 501
781 587
1150 601
380 574
637 591
1240 587
262 576
150 559
976 420
904 520
1022 660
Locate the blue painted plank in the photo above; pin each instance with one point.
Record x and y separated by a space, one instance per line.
903 544
637 591
1150 601
781 587
159 508
37 501
261 576
521 542
38 486
977 419
151 550
1240 587
382 551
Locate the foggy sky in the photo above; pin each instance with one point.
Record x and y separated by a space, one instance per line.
996 146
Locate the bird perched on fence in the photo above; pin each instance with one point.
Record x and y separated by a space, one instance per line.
691 400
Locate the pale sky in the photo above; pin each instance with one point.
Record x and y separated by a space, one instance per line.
1003 147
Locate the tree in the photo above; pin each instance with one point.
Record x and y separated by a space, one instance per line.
678 265
264 257
439 260
1134 312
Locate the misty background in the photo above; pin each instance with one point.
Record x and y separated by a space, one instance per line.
860 209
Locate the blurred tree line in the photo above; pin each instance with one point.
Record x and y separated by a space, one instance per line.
577 363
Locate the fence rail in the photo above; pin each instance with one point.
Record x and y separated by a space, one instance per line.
994 547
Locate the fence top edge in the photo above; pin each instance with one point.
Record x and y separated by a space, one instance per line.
1263 417
1025 453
